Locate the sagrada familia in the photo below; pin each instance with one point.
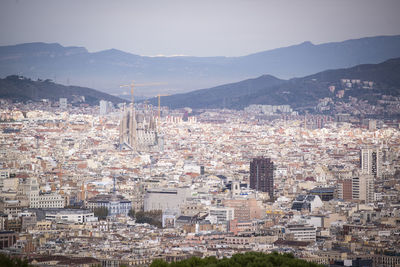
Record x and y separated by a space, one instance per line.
138 131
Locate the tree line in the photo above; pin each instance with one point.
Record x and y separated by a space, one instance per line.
248 259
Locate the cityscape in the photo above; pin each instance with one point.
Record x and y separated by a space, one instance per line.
301 171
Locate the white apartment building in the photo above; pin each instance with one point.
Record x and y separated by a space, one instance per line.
302 232
63 103
50 200
37 200
166 199
70 215
105 107
363 188
221 214
115 204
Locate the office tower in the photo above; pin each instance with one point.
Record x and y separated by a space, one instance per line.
104 107
63 103
363 187
370 161
345 189
262 175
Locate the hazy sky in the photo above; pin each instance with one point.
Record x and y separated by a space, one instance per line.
198 28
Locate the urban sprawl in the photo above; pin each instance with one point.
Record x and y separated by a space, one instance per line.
125 184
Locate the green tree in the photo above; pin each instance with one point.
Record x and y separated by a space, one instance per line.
101 213
131 213
150 217
159 263
6 260
249 259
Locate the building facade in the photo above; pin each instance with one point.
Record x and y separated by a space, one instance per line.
302 232
345 189
363 188
244 209
221 214
166 199
115 204
30 188
262 175
70 215
7 239
370 161
105 107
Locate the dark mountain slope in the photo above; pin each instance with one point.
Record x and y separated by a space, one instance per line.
298 92
220 96
23 89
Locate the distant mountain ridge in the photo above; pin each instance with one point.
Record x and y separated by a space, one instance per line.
106 70
297 92
19 88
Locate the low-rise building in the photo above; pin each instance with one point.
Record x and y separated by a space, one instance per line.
301 232
115 204
70 215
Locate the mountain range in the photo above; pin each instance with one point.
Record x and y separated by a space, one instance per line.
106 70
300 93
18 88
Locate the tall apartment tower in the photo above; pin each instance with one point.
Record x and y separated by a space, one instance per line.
105 107
262 175
363 188
345 189
370 161
63 103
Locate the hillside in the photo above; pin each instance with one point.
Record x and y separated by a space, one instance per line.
229 95
22 89
106 70
297 92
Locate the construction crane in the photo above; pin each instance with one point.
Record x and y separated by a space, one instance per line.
159 105
133 84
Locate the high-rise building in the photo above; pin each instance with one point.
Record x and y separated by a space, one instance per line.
345 189
105 107
359 187
262 175
363 188
370 161
63 103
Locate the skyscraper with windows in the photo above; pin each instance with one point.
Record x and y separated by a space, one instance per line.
370 161
262 175
363 188
105 107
